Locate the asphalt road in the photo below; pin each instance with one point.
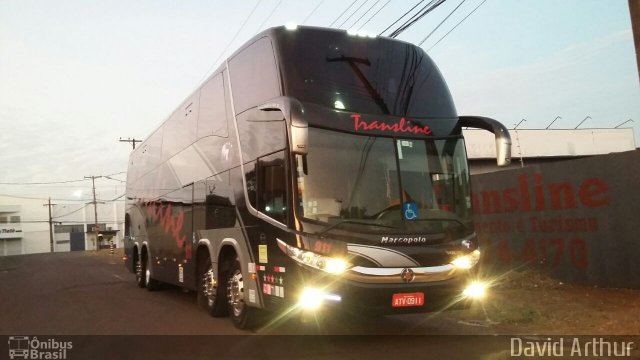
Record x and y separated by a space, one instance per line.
87 293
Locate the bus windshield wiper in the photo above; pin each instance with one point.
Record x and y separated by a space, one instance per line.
375 95
332 226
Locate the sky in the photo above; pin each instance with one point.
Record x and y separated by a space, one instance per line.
77 75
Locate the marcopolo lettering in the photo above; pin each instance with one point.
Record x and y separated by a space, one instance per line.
403 240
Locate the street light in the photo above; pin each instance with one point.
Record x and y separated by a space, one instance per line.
521 121
583 120
624 123
554 120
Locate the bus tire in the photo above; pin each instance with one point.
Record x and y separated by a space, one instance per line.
242 316
151 283
211 296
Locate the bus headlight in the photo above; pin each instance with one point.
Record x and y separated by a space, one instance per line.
321 262
468 261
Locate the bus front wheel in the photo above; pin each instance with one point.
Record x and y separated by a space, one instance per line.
242 316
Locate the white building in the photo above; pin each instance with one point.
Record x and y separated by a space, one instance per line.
530 147
24 225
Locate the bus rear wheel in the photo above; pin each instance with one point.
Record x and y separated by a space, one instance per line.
242 316
211 296
151 283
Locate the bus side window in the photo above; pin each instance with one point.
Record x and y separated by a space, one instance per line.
254 76
272 186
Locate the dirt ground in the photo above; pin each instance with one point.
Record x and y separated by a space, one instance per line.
528 302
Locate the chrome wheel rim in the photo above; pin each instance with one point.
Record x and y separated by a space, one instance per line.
209 286
235 292
138 270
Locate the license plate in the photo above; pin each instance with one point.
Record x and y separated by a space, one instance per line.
403 300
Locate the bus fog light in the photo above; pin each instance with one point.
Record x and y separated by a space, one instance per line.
312 298
475 290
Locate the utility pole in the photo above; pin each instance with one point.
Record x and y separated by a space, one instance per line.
49 205
132 141
95 207
634 12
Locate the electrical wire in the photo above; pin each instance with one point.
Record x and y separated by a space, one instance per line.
339 16
312 12
269 17
110 178
442 22
465 18
403 15
24 197
72 212
374 15
353 13
231 41
415 18
42 183
365 13
57 182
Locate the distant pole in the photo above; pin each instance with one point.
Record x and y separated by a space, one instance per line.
95 207
130 140
624 123
583 120
518 141
634 12
554 120
49 205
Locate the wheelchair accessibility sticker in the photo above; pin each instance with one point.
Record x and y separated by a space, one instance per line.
410 211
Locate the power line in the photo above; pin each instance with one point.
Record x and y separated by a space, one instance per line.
23 197
403 15
41 183
415 18
365 13
345 10
442 22
445 35
374 15
353 13
57 182
110 178
231 41
312 12
270 14
72 212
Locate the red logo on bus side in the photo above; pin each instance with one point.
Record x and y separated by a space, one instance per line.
170 224
402 125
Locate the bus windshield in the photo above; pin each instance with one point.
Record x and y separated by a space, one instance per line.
363 75
384 185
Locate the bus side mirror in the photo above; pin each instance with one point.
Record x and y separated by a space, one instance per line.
503 139
299 139
294 114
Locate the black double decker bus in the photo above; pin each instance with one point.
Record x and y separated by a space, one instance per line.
315 170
